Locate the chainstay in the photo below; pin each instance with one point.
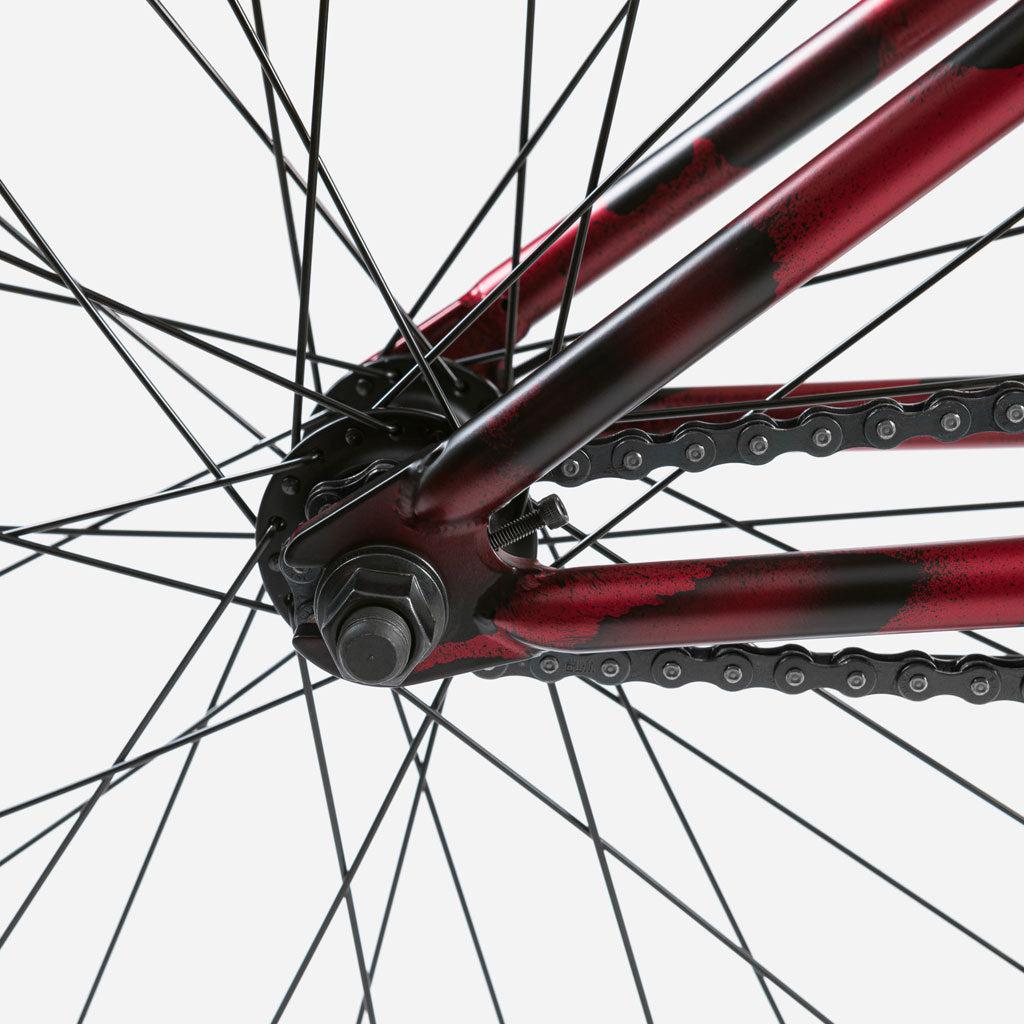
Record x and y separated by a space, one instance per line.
853 672
694 446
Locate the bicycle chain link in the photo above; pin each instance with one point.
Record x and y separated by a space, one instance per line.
819 431
948 415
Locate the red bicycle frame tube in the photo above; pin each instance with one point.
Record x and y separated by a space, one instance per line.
856 51
892 158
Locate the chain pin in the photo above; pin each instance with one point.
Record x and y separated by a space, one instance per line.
609 668
696 453
758 445
549 664
671 670
918 683
980 687
950 422
632 461
733 675
795 677
886 430
1015 413
856 680
571 468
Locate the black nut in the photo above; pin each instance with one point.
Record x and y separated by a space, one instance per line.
380 611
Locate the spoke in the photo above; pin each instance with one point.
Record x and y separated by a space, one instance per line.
907 257
588 201
929 282
580 241
339 849
160 496
401 318
822 517
237 457
127 570
97 531
512 318
164 818
361 853
107 778
695 843
160 322
499 353
433 715
818 397
449 859
309 221
282 182
237 695
403 849
509 174
110 305
600 532
588 810
814 830
197 55
50 257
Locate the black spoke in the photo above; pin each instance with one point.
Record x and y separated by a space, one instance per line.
237 695
602 859
339 848
125 570
417 343
820 833
99 531
183 325
512 317
929 282
361 853
610 524
43 249
509 174
907 257
160 496
588 201
433 715
698 849
197 55
282 183
580 241
105 781
165 817
110 305
309 220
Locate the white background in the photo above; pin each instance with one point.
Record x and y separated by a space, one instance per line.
150 187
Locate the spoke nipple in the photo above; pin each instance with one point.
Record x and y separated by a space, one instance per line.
795 677
856 680
980 687
671 671
758 445
354 437
950 422
918 683
549 664
822 438
886 430
1015 413
290 485
733 675
696 453
609 668
632 461
571 468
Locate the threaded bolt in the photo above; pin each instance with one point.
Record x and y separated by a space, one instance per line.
549 512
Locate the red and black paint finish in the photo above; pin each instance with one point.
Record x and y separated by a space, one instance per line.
893 157
856 51
746 395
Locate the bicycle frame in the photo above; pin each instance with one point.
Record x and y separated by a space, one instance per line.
516 607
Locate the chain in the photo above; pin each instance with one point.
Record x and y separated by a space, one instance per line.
792 669
758 439
820 431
